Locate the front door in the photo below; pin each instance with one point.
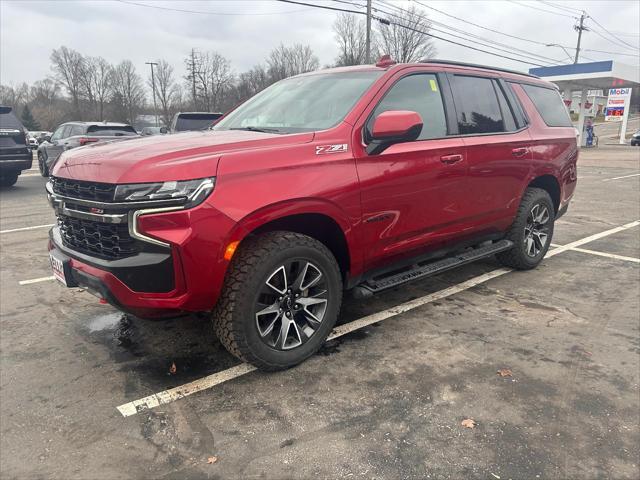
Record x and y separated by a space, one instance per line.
411 193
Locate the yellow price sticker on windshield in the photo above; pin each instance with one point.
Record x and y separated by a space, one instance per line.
434 85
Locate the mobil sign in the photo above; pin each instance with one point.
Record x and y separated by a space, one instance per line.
617 104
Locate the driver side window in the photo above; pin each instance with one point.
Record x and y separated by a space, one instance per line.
418 93
57 135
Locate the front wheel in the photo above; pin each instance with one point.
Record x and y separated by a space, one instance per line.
281 298
531 231
42 165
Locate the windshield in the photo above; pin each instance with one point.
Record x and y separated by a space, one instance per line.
301 104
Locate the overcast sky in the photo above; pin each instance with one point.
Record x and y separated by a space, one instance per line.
248 30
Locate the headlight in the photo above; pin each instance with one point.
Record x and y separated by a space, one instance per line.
194 191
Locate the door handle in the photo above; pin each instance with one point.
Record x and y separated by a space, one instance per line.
451 159
519 152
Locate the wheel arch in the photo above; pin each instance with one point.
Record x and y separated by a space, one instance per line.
550 184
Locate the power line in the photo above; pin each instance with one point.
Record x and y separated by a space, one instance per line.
620 40
201 12
483 41
541 9
389 22
561 7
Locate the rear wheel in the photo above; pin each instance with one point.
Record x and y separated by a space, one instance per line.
8 179
42 165
531 231
280 300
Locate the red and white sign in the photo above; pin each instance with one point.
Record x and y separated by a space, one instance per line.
617 104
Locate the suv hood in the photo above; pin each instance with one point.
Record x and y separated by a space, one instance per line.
182 156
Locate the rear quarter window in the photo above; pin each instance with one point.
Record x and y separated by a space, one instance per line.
549 105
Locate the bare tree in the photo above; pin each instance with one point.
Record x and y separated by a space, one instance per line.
46 104
251 82
96 80
213 78
16 97
350 33
128 92
167 91
68 66
285 62
407 44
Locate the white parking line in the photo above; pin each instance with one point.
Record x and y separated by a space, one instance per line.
601 254
35 280
619 178
168 396
27 228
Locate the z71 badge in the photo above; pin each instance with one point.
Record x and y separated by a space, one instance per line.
323 149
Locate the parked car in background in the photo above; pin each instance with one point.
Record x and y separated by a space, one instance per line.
360 178
77 134
15 155
147 131
187 121
32 141
635 139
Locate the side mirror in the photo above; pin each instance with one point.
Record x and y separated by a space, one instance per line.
394 126
47 138
164 130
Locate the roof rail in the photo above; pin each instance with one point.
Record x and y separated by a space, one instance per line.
475 65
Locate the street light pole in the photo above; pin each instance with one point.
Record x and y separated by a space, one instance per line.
153 88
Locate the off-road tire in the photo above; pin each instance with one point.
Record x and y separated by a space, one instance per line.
42 166
8 179
234 315
517 256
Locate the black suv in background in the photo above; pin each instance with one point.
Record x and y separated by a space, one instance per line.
15 155
188 121
77 134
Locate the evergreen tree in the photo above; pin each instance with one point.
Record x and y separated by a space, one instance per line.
28 121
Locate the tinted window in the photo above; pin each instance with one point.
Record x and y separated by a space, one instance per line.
505 108
418 93
195 121
477 105
111 130
549 105
8 119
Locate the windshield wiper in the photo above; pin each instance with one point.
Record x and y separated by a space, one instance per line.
257 129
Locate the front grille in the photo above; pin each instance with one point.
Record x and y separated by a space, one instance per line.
109 241
99 192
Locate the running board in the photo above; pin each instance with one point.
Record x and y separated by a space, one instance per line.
427 269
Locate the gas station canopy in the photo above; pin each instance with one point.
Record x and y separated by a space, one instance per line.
610 76
592 76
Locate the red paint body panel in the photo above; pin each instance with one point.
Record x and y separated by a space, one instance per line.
412 198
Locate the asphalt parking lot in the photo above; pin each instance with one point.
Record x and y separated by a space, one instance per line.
385 400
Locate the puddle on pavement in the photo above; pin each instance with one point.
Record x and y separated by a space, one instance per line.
333 346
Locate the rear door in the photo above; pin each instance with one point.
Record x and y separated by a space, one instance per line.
73 139
412 192
498 150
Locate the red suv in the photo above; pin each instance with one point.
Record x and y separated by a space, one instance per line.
358 178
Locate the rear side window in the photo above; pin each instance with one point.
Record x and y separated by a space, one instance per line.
549 105
111 130
418 93
477 105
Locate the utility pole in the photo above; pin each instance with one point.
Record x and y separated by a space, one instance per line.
579 28
193 77
368 42
153 88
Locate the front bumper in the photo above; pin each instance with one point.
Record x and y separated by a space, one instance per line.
179 267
